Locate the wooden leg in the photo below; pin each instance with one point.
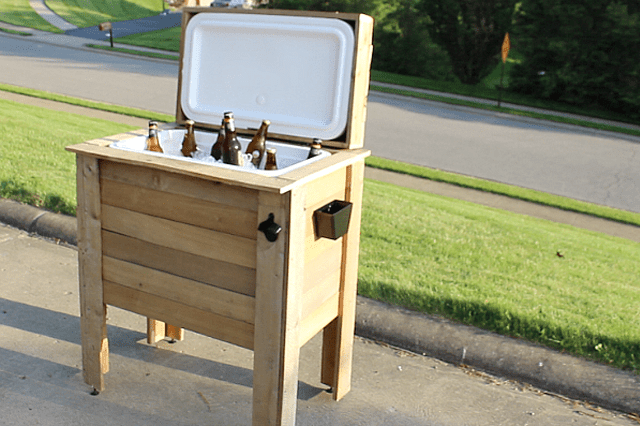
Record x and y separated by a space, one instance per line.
93 311
337 348
173 332
158 330
277 316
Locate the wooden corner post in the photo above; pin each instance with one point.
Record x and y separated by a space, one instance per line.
93 311
337 348
280 268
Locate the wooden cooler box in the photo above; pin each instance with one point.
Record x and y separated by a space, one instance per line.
260 259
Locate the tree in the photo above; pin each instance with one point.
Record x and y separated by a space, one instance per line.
403 45
583 52
471 31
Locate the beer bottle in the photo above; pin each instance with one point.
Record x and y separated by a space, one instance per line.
189 141
314 151
153 144
231 148
271 160
216 149
258 143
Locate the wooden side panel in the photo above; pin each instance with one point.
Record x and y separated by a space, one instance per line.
184 291
205 214
95 355
239 279
204 322
320 293
320 189
188 238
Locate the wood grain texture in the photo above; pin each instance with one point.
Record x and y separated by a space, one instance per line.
95 348
173 183
180 208
171 312
188 238
338 345
239 279
187 292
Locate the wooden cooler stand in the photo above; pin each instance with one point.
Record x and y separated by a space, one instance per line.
179 243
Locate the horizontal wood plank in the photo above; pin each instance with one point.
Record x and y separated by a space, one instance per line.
173 183
239 279
315 296
180 208
236 178
321 267
188 238
322 316
323 188
187 292
236 332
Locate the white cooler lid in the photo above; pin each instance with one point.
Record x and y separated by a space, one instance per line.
292 70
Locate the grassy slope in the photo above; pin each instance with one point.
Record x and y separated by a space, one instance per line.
86 13
500 271
19 12
34 168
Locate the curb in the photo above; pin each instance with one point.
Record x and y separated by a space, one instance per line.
38 221
431 336
503 356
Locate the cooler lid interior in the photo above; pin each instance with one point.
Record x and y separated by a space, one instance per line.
292 70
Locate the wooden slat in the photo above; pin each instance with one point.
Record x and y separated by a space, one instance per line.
217 217
95 348
239 279
204 322
339 159
191 239
319 319
320 268
320 293
361 73
323 188
187 292
237 178
215 192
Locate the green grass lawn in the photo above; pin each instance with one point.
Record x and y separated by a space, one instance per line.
500 271
19 12
34 167
87 13
469 263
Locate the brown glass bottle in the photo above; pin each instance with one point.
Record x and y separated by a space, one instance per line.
216 149
316 146
189 141
271 163
153 144
259 143
231 148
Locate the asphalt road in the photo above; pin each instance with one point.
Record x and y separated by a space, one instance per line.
582 164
